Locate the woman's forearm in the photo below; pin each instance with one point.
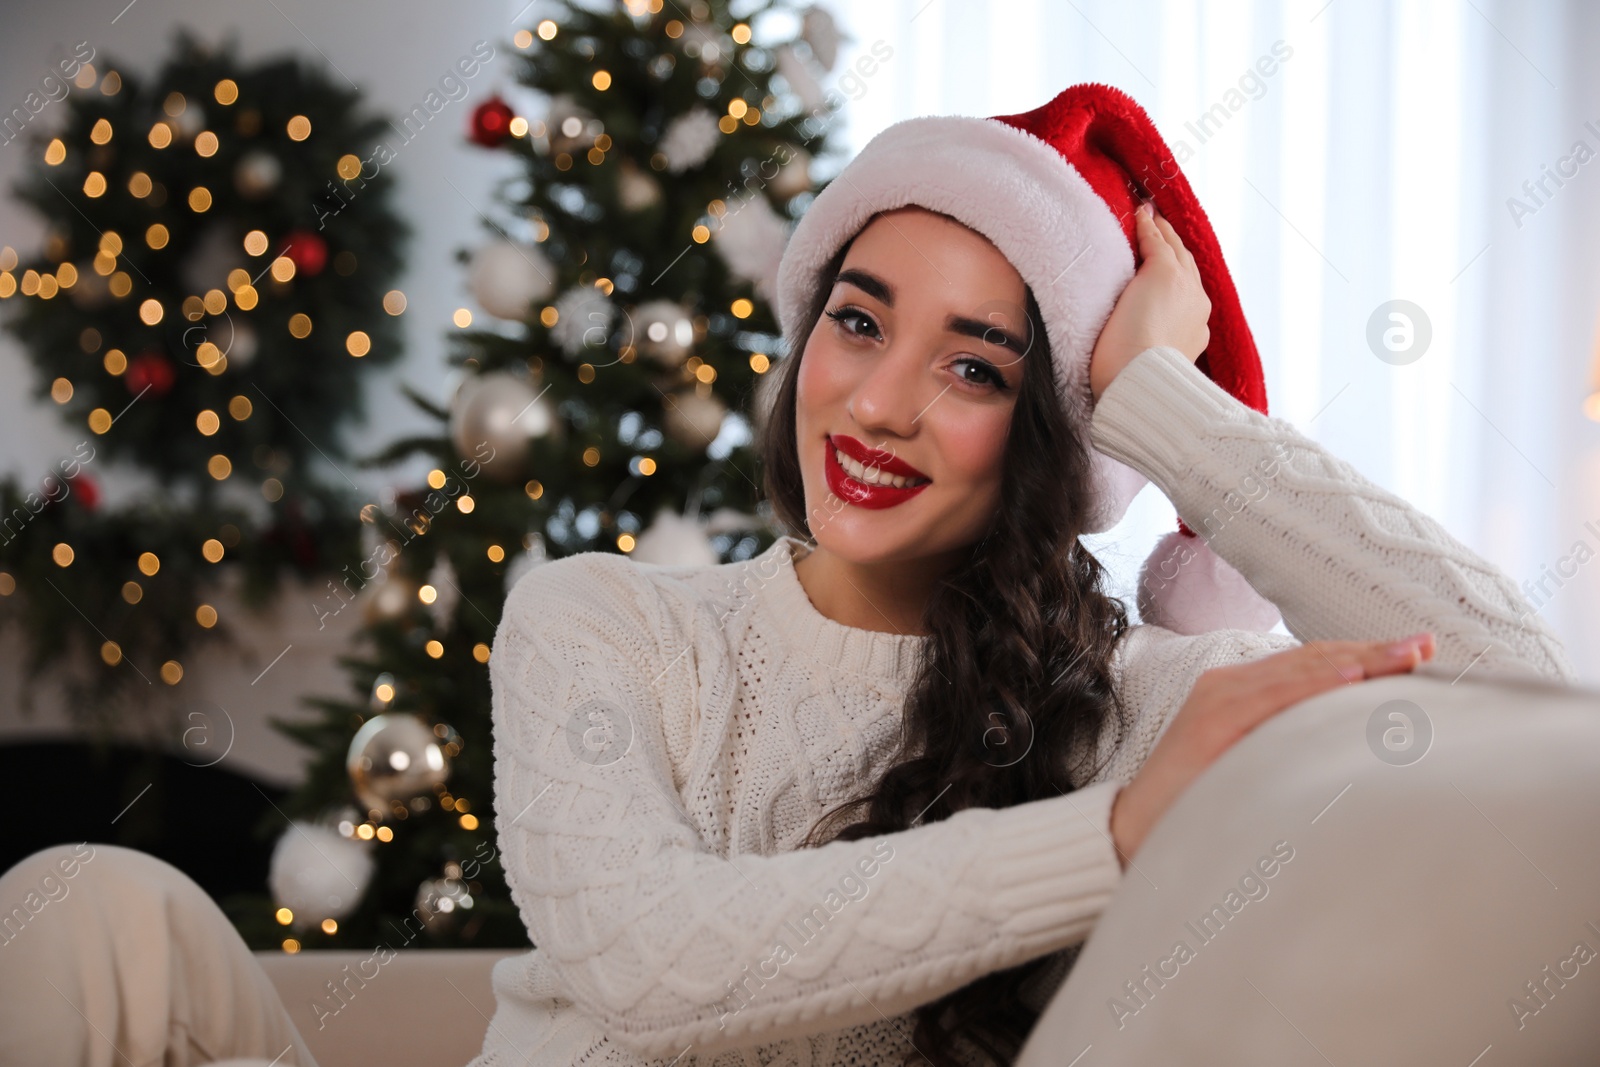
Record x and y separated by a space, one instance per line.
1341 558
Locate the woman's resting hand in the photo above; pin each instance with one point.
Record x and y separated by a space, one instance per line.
1228 702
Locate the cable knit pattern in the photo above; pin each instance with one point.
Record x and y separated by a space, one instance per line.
665 736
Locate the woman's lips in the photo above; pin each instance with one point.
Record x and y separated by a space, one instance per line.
887 462
862 494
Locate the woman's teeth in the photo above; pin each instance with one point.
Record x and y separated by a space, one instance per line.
873 475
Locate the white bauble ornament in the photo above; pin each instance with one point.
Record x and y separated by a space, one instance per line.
800 79
238 341
704 42
506 279
494 419
751 238
525 561
794 177
190 121
663 332
673 539
343 818
692 420
441 902
318 873
446 593
391 598
384 690
392 758
208 263
257 174
818 30
690 139
91 290
568 126
637 190
583 321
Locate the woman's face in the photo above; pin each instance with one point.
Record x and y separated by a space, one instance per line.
918 355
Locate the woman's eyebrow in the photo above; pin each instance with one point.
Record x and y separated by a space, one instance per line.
881 290
987 331
870 284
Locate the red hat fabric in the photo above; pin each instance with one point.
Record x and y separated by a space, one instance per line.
1107 137
1054 189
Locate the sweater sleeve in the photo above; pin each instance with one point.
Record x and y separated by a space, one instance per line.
1340 557
668 943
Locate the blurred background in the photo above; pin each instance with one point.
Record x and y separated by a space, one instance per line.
313 305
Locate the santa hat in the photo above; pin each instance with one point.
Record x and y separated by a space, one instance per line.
1054 189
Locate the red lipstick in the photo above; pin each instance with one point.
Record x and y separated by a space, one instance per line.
864 494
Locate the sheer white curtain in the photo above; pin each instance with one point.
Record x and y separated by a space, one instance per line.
1377 162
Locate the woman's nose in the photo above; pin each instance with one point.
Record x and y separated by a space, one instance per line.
892 393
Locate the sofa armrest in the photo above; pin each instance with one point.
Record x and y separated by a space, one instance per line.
1398 871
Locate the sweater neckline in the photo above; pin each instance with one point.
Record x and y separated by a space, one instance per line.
876 654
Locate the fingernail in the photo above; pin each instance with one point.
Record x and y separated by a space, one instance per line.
1403 649
1351 672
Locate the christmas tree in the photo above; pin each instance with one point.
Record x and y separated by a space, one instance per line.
187 316
602 405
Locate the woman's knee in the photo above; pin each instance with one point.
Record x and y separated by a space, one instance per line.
49 877
38 880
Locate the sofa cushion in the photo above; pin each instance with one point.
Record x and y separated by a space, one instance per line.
423 1007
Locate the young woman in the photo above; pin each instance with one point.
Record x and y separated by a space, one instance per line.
856 801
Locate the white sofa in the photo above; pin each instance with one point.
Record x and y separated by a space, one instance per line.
1344 902
423 1008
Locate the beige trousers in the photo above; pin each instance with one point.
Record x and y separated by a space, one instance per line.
110 956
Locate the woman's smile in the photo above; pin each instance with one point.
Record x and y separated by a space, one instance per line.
868 477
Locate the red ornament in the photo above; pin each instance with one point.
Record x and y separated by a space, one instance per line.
292 533
149 370
491 122
307 251
84 491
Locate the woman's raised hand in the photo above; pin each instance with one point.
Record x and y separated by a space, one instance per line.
1164 304
1228 702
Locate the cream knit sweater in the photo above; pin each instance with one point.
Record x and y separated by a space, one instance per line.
665 736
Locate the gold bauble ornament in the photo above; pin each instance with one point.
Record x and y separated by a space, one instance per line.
392 758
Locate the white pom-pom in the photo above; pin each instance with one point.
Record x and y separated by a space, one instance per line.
674 540
690 139
583 320
318 873
637 190
506 279
1186 587
750 240
692 420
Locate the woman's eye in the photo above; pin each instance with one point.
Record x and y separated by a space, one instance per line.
986 372
854 322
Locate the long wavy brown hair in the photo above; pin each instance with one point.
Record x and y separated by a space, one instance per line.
1015 687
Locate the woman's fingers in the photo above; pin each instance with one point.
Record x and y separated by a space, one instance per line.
1266 686
1171 237
1152 242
